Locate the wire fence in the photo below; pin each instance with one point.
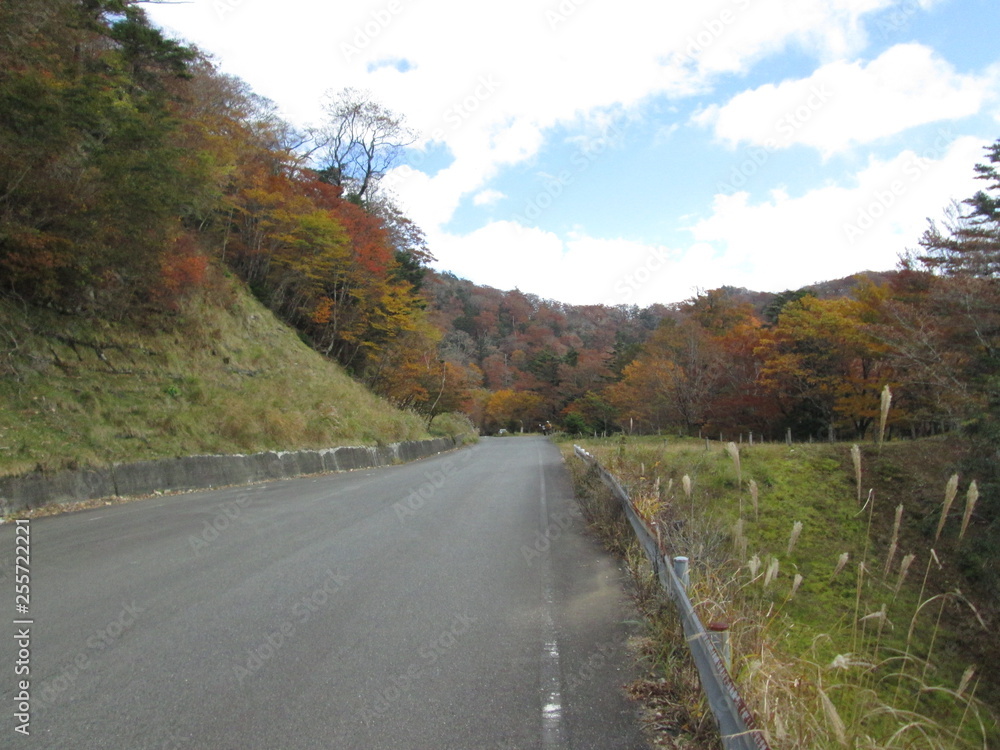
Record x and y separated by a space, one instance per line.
736 722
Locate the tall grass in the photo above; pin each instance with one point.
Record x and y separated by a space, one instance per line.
950 491
734 453
894 541
886 402
832 648
856 460
971 498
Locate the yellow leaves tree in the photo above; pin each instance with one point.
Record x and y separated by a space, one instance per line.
513 410
824 365
675 379
324 265
647 395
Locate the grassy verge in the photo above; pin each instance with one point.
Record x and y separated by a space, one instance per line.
675 712
221 376
849 628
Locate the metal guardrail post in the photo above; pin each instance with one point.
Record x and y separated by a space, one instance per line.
682 570
736 723
718 632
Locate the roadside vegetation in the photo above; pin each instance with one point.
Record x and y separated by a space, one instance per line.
216 377
854 623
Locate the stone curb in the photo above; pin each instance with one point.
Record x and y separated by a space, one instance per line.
18 494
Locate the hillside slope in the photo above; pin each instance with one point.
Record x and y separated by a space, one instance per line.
222 375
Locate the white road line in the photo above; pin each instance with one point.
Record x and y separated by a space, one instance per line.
553 731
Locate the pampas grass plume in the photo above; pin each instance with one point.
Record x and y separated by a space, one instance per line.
950 490
970 505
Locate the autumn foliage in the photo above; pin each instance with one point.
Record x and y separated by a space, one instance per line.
92 186
130 167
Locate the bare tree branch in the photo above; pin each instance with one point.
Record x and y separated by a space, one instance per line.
359 143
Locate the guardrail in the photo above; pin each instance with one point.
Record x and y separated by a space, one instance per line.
736 722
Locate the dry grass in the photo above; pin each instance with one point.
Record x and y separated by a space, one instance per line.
886 402
856 460
950 491
971 498
674 710
216 378
833 648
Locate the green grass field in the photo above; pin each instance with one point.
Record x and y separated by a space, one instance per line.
832 651
220 376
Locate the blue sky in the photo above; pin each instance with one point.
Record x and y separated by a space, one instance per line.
635 152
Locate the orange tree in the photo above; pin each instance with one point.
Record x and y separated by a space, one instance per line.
513 410
741 402
412 373
647 395
673 381
824 367
324 264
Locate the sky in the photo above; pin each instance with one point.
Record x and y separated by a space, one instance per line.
640 152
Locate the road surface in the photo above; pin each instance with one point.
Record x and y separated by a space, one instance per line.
455 603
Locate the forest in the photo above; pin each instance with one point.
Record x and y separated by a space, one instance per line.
131 168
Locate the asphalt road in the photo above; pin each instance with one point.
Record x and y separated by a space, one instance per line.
454 603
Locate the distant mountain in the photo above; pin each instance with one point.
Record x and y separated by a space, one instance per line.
845 287
521 342
763 301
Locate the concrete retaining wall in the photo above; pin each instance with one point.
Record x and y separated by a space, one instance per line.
200 472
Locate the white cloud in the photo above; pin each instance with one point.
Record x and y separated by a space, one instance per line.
579 269
740 32
546 69
781 243
488 83
501 254
617 271
837 230
487 197
847 103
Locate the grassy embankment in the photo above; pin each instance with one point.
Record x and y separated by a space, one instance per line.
888 647
221 376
